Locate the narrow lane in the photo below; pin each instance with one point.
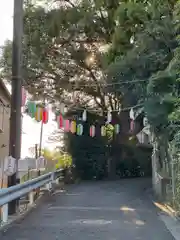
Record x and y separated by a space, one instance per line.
98 210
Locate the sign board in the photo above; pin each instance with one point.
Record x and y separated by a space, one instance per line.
9 166
40 163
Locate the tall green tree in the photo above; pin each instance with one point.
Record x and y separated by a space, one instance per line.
148 62
63 48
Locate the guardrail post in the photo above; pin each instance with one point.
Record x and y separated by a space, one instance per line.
57 181
5 213
49 186
31 197
52 176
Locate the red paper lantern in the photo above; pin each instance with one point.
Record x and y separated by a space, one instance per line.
23 100
67 126
60 121
92 131
45 116
132 125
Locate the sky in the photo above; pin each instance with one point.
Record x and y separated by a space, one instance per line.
31 129
6 20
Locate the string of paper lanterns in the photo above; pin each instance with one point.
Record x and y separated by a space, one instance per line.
41 114
64 109
74 128
37 112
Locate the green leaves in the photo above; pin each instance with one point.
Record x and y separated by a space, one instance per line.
161 82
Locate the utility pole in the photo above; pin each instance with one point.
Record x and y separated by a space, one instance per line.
41 131
40 140
36 151
16 96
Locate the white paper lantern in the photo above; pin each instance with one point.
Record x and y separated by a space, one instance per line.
109 117
65 109
145 121
131 114
103 131
84 115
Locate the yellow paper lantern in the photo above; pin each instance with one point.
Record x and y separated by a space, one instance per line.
73 127
39 114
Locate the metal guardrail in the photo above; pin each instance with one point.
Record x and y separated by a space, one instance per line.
12 193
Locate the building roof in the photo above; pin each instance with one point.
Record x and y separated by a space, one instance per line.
3 86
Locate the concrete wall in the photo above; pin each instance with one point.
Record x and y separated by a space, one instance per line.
160 183
4 130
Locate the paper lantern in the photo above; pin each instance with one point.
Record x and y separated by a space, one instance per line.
131 114
39 114
60 121
73 127
45 116
84 115
103 131
67 125
145 121
92 131
31 108
63 108
23 100
79 129
117 128
132 125
109 117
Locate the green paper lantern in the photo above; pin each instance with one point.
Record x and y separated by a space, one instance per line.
31 108
79 129
117 128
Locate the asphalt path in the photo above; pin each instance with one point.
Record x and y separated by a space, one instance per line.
94 210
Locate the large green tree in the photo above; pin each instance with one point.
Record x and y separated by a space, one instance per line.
63 48
63 52
64 58
152 63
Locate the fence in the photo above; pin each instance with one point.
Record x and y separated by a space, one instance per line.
27 169
15 192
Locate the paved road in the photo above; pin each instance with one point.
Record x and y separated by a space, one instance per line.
98 211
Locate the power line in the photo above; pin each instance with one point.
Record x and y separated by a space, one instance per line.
89 84
116 110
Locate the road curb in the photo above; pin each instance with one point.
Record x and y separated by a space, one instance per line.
163 207
173 212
